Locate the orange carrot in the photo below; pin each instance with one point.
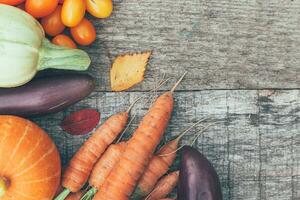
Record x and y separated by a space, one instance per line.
106 163
81 165
122 180
158 166
103 168
75 196
164 186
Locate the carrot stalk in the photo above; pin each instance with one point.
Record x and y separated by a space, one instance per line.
124 131
89 194
159 165
160 84
81 165
75 196
63 194
191 144
178 82
122 180
164 186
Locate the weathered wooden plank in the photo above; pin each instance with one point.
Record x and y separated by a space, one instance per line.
279 141
227 44
255 145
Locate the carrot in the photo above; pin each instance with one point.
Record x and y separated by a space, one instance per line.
81 165
106 163
164 186
158 166
103 168
75 196
122 180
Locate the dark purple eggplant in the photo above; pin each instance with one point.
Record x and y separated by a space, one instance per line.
46 95
198 179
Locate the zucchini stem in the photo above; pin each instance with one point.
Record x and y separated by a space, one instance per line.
56 57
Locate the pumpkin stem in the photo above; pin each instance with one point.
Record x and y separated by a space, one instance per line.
3 186
57 57
63 194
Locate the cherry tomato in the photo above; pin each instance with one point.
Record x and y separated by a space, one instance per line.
52 23
64 40
11 2
84 33
40 8
21 6
73 12
99 8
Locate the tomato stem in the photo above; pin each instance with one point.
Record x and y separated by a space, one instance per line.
3 186
57 57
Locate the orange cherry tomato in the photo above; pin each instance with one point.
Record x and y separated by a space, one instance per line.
52 23
73 12
11 2
84 33
64 40
99 8
40 8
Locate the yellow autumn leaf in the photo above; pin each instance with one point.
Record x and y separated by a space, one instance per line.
128 70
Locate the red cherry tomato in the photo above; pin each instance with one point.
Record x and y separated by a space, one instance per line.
40 8
84 33
52 23
11 2
64 40
21 6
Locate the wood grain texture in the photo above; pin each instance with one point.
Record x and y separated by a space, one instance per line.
224 44
255 145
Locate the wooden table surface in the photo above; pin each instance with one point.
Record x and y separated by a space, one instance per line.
243 63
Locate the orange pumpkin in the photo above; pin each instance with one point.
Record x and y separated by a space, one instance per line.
29 161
